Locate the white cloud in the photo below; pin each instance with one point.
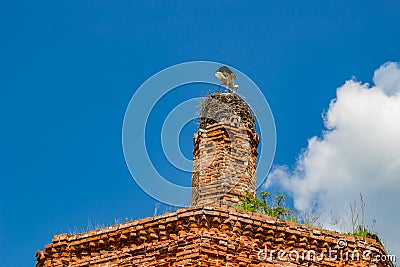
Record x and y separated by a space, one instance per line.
387 77
359 152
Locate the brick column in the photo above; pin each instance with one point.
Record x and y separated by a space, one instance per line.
225 154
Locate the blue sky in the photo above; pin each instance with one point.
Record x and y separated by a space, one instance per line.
69 69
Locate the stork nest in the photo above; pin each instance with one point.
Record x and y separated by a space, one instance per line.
219 107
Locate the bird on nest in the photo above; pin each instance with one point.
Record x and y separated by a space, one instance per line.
227 77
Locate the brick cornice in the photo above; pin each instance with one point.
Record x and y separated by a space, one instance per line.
198 235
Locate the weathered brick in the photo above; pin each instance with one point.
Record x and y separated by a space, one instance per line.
216 234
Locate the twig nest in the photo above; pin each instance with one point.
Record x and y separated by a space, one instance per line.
224 107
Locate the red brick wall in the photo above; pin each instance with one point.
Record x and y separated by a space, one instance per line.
204 236
224 163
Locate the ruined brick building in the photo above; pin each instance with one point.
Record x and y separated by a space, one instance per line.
212 232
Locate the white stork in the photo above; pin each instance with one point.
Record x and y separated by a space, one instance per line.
227 77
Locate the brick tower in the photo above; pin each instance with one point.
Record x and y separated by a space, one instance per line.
225 154
225 151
